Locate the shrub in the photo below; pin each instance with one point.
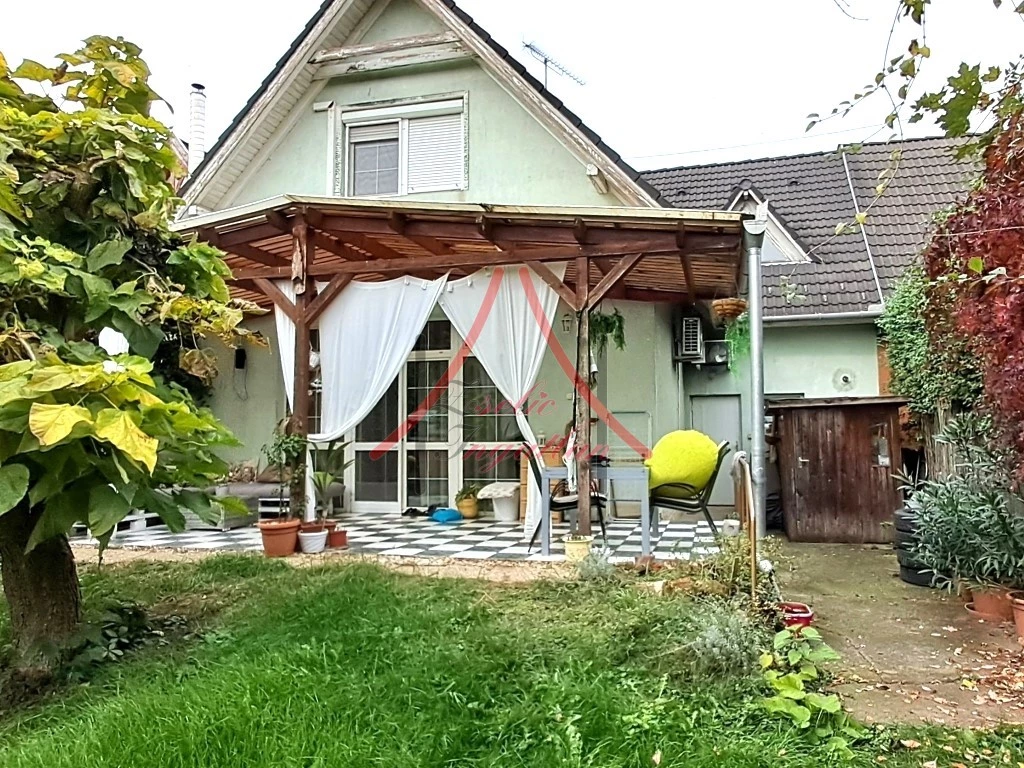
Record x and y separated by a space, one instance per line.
970 524
714 641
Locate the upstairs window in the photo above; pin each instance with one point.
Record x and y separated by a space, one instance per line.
405 149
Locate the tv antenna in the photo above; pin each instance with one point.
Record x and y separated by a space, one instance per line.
553 64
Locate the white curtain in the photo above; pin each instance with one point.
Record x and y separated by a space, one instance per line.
492 312
286 340
366 335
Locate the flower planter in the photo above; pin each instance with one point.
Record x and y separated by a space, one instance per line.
279 537
728 309
577 547
312 542
796 615
468 508
1017 603
313 527
337 538
993 602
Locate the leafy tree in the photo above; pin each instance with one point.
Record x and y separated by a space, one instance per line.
976 262
86 194
976 103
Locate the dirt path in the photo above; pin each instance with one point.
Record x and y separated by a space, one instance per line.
910 654
501 571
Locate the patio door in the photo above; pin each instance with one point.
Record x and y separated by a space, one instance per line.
463 432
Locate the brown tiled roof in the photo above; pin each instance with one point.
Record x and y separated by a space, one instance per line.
810 195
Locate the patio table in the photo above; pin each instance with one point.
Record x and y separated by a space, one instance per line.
603 473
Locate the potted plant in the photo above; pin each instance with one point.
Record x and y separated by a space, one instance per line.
577 547
970 524
332 462
283 452
466 502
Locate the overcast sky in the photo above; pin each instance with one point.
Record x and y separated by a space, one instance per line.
668 82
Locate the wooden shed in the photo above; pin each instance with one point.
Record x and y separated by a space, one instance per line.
836 460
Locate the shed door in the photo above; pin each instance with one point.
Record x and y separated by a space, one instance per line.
718 416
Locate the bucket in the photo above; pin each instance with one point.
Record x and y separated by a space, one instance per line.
796 615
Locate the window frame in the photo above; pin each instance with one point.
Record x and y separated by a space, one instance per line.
401 114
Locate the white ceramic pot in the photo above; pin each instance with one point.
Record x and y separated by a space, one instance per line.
313 541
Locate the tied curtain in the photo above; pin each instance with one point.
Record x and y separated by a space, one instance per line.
366 335
369 330
496 313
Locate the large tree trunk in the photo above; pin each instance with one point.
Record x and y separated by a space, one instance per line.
43 595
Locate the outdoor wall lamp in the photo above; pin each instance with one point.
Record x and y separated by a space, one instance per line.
566 322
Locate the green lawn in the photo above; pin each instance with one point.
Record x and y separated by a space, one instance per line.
350 665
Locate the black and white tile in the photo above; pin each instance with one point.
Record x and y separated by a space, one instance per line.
391 534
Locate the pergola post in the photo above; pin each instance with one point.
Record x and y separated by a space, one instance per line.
300 398
582 384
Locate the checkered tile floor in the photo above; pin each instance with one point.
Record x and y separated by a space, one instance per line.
470 539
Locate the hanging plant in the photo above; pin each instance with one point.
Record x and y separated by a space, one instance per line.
737 337
604 327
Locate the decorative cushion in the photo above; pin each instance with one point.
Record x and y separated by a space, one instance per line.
446 516
684 456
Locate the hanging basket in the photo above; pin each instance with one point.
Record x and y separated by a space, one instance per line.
729 309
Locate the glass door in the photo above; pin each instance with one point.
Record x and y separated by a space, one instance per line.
375 471
426 449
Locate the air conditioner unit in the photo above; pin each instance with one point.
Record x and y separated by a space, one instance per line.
688 340
716 352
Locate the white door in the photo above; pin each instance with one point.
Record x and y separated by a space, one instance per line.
719 417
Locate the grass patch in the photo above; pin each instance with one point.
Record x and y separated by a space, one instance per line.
350 665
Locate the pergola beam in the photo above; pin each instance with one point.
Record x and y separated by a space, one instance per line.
683 241
272 292
565 293
583 392
326 296
613 276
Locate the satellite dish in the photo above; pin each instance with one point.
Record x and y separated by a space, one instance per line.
844 380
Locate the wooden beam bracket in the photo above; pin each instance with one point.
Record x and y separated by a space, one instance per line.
612 277
564 292
326 296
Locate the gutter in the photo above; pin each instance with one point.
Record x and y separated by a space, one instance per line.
863 232
826 317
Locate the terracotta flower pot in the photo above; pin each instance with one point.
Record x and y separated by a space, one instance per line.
279 537
1017 603
337 538
994 602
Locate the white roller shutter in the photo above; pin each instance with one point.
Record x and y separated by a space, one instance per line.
380 132
436 153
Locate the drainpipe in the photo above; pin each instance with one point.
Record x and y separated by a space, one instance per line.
753 240
196 127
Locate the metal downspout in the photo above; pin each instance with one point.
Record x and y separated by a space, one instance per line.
753 240
863 232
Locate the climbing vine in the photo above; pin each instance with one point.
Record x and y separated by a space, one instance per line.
930 362
976 264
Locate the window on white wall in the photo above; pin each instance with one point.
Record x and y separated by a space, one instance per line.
405 149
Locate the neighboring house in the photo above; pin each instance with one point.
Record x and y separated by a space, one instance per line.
823 291
411 99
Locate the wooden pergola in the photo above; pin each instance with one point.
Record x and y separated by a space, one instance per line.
659 255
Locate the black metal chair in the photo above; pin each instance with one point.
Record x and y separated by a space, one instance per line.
684 497
563 501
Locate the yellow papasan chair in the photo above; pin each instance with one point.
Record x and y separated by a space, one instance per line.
683 468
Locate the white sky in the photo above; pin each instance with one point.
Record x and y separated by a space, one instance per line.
669 82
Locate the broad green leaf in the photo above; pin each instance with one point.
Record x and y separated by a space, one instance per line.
107 253
61 512
779 705
118 428
161 503
13 370
13 486
829 703
144 339
52 423
32 70
107 508
11 390
976 264
791 686
199 503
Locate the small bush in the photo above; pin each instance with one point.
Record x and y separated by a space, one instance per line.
713 641
596 567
